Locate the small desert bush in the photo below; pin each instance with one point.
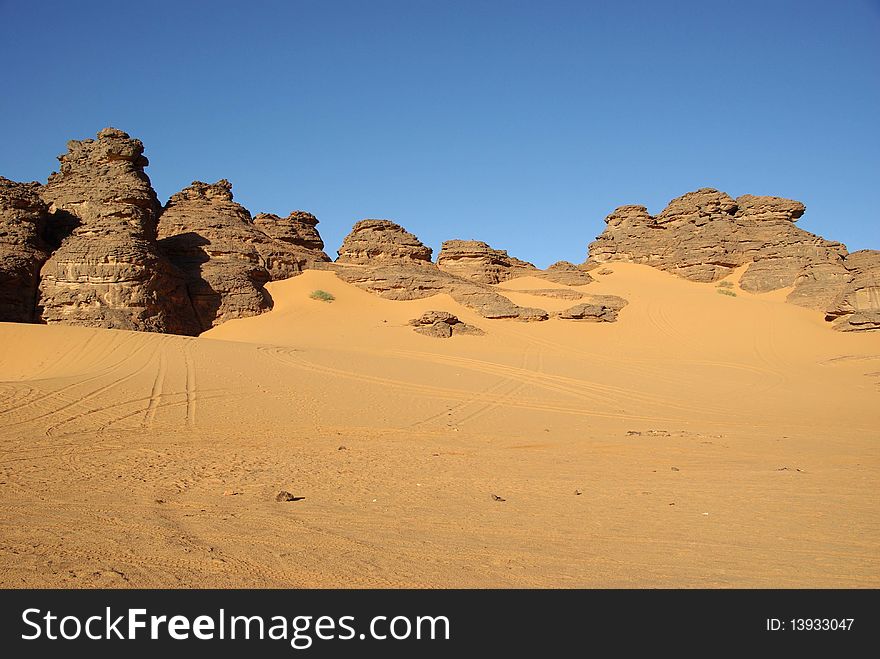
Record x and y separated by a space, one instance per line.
725 291
323 296
725 284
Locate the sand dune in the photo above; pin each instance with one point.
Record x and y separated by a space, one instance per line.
714 440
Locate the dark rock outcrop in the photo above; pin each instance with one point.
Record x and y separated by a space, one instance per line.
599 309
107 271
23 251
442 325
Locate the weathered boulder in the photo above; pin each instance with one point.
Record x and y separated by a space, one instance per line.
23 251
857 306
442 324
599 309
108 271
705 235
373 242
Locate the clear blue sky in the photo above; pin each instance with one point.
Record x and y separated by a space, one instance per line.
519 123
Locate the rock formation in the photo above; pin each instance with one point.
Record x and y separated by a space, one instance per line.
374 242
857 305
475 260
227 257
599 309
23 251
385 259
295 243
442 325
211 239
107 271
704 235
566 273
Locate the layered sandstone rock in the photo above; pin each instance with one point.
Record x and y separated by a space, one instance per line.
857 305
385 259
374 242
23 251
297 229
212 240
598 309
704 235
477 261
227 257
107 271
442 325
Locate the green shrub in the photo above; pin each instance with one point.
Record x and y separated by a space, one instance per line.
725 291
725 284
323 296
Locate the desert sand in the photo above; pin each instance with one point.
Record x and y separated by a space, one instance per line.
702 440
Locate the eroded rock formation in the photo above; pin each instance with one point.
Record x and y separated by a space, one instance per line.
857 305
374 242
23 251
566 273
383 258
598 308
442 325
475 260
108 271
704 235
227 257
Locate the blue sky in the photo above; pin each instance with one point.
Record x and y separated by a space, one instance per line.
519 123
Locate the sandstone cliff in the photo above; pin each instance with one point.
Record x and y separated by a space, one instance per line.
108 271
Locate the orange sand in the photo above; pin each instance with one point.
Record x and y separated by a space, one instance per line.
716 442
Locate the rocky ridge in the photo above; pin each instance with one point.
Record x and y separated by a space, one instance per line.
705 235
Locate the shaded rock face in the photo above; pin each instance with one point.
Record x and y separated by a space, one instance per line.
373 242
107 271
704 235
402 270
23 251
212 240
599 309
475 260
442 325
226 257
857 305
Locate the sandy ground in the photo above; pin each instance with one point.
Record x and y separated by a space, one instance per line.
701 441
